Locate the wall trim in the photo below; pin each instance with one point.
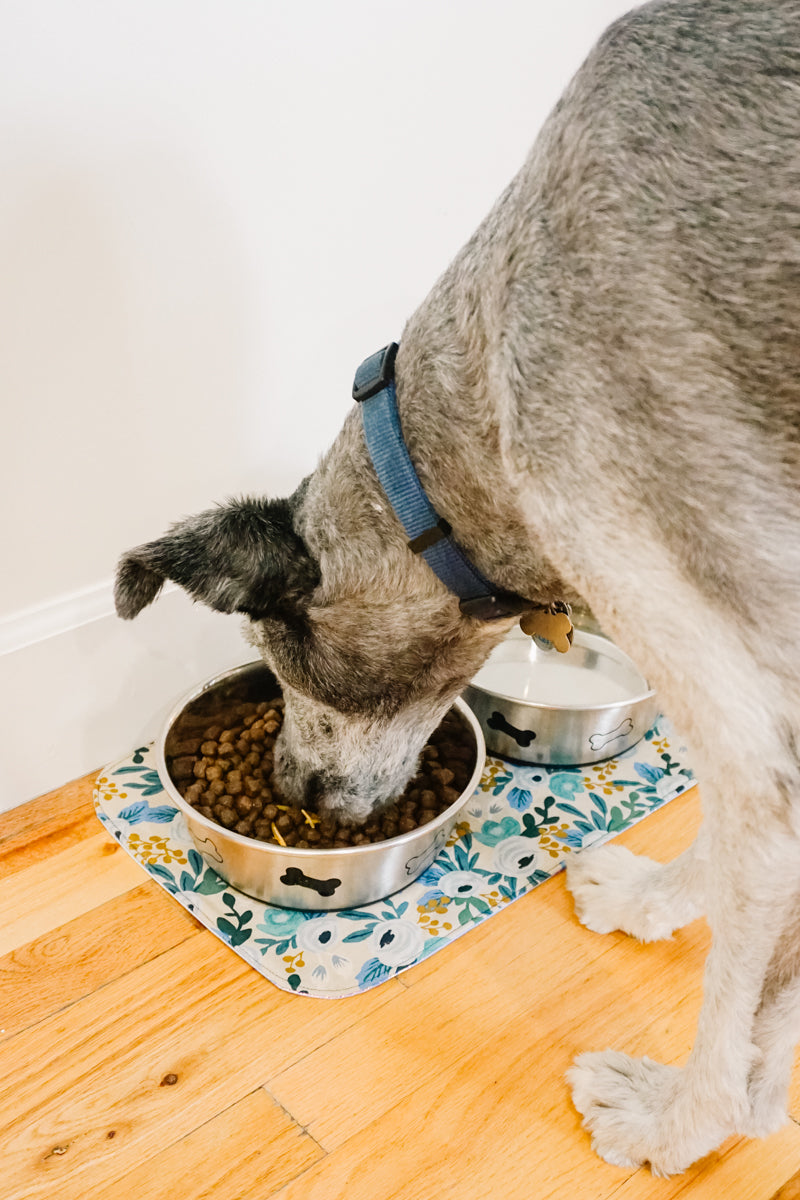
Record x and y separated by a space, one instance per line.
64 613
81 687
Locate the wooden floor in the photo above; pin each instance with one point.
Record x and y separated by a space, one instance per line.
140 1058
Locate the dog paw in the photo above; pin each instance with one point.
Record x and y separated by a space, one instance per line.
623 1102
616 890
768 1112
764 1121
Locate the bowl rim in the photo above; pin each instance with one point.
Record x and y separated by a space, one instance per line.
592 641
284 851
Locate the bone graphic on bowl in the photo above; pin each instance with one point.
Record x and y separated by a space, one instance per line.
295 878
598 740
420 862
214 853
523 737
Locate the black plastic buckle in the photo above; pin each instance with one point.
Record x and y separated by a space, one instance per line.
429 537
494 606
375 373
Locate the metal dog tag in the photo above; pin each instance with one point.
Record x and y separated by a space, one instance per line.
553 626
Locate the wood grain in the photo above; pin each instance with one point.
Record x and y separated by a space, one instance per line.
52 809
39 844
198 1013
789 1191
71 882
143 1059
76 958
241 1154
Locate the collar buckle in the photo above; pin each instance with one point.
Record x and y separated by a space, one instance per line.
375 373
495 605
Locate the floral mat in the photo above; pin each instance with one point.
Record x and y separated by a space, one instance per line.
513 833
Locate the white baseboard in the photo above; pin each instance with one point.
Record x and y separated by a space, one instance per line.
79 687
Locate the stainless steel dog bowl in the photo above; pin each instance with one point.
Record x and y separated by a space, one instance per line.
311 879
538 706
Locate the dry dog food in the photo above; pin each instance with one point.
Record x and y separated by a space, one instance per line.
227 775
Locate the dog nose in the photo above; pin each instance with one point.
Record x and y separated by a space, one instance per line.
324 790
314 789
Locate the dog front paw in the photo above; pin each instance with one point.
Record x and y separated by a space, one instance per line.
623 1102
616 890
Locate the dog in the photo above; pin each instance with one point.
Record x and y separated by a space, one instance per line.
601 397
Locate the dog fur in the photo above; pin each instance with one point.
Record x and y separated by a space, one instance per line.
602 396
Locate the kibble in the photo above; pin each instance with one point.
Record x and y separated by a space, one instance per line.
227 776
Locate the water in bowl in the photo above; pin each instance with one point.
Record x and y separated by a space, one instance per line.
551 682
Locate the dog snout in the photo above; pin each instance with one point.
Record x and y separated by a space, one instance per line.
314 789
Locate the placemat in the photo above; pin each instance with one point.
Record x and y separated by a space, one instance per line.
513 833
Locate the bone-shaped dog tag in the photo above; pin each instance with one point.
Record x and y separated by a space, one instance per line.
554 627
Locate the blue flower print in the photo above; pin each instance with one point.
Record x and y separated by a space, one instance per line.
491 833
567 784
280 922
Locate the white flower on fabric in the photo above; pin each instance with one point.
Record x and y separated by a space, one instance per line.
397 943
516 856
668 786
318 934
461 884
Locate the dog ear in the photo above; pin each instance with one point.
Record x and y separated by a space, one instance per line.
244 556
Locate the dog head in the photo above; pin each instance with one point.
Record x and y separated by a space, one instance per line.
370 649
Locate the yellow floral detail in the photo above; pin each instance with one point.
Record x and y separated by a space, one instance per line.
493 768
554 848
603 772
459 831
154 849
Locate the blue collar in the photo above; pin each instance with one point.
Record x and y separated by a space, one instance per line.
429 534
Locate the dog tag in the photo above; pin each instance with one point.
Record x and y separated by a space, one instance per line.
554 627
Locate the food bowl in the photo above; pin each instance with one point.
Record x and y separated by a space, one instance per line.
312 879
538 706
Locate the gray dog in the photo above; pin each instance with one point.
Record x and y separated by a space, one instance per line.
602 397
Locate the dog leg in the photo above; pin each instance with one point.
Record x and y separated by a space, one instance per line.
615 889
639 1111
776 1033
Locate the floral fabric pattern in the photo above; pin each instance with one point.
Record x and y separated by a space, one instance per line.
514 832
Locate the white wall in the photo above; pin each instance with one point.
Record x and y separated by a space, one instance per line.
209 213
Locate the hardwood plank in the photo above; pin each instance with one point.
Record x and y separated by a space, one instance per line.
60 888
249 1149
491 1122
668 831
790 1189
496 1118
450 1086
198 1015
542 972
491 1114
739 1170
55 806
507 969
531 1162
40 843
76 958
